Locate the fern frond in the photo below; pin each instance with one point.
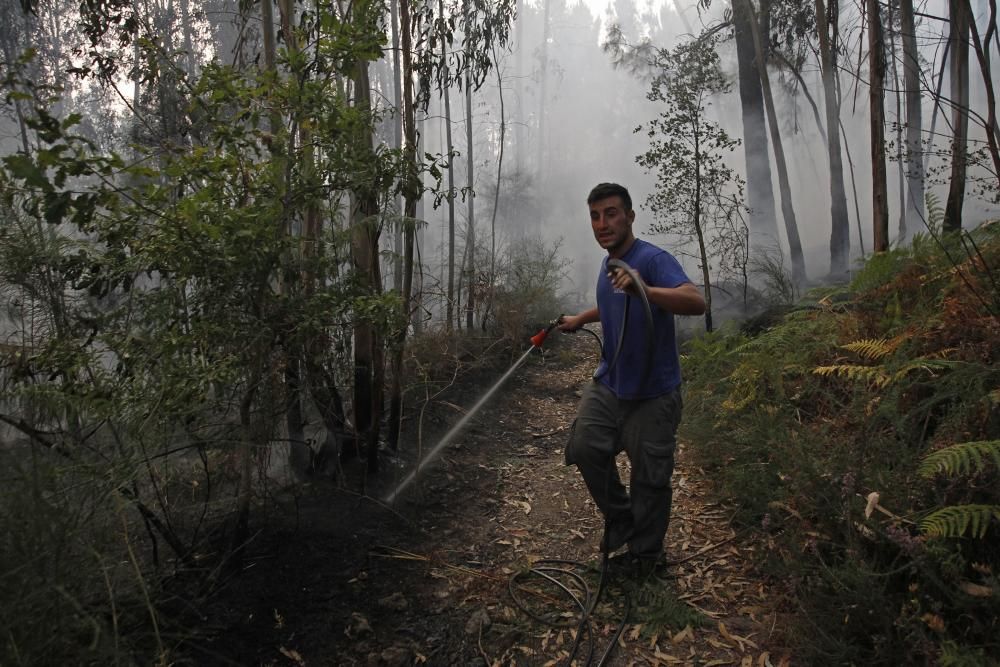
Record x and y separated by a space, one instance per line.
873 348
853 372
935 211
955 520
961 459
931 366
778 338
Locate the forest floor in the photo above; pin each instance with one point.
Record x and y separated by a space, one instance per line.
338 578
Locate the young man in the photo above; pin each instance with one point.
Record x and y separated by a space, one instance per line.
635 405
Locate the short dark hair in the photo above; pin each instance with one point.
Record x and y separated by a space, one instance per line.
605 190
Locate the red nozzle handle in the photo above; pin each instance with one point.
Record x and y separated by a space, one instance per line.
539 337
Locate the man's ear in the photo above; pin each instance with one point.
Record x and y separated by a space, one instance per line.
631 216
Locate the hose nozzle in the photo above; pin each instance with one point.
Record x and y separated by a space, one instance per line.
539 337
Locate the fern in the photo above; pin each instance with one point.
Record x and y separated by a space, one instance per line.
955 520
935 212
776 339
873 348
961 459
853 372
924 364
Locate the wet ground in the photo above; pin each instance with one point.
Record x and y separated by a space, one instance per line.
336 577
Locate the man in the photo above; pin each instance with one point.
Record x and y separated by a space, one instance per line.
635 405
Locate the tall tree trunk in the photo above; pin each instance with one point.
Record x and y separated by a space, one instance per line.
496 198
876 93
827 25
898 91
397 135
188 31
959 41
450 305
470 236
914 121
519 146
411 193
760 189
248 442
985 68
9 48
706 275
542 93
787 210
368 354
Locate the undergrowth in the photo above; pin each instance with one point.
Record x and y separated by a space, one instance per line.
860 437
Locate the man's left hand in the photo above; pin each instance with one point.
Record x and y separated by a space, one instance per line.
621 280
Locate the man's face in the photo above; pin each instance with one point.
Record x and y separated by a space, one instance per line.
611 223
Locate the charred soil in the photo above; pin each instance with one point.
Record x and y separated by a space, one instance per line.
336 577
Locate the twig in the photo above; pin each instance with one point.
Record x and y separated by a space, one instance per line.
704 550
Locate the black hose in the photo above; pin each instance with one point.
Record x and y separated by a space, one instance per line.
637 282
550 570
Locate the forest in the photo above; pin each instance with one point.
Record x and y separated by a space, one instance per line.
255 257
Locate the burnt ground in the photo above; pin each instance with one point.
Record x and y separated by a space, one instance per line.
335 577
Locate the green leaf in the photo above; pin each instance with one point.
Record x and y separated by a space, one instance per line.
23 167
961 459
956 520
56 205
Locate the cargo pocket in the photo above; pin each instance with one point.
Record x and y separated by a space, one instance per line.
569 444
653 460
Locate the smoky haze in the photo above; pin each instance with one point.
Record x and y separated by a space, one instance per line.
582 131
570 118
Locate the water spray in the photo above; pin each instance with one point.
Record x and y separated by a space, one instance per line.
536 342
551 570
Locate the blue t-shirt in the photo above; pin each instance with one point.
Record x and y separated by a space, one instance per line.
659 269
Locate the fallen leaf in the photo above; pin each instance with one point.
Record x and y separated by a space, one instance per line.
293 655
976 590
683 635
717 644
933 621
724 631
872 503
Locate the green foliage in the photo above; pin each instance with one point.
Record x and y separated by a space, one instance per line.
658 609
963 458
955 520
525 294
154 304
697 196
868 390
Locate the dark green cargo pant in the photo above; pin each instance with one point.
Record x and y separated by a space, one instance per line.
646 430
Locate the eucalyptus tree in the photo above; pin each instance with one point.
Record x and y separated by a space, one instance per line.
981 45
914 215
958 39
828 29
697 196
429 65
784 188
760 189
876 118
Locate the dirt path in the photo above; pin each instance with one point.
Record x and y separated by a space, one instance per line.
354 583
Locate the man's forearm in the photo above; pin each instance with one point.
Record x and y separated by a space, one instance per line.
685 299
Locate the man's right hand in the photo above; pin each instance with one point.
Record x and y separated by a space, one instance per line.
570 323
